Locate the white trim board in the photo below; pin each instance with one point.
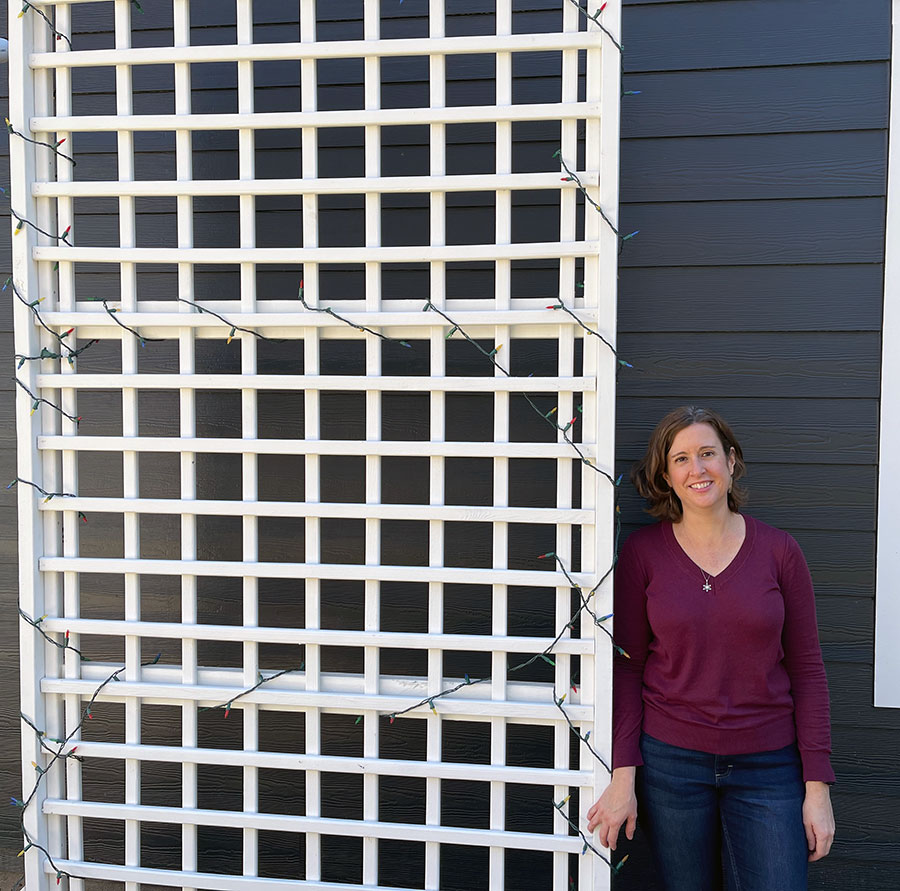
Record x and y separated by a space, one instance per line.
887 577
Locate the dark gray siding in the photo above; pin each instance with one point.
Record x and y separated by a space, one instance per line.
753 162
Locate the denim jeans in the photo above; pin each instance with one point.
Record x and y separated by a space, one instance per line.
738 815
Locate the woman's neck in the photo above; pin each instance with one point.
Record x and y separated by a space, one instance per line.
709 525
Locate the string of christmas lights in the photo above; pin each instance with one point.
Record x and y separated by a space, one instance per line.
37 400
595 18
112 314
590 330
588 845
331 312
545 655
54 147
262 680
570 177
23 222
71 354
547 416
47 495
56 755
59 35
234 328
66 645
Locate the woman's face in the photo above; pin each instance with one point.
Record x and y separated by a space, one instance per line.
697 468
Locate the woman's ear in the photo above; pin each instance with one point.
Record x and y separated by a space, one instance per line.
732 460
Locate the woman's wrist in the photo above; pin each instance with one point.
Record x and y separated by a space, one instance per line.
817 787
623 776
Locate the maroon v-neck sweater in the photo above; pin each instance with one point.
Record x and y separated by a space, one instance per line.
733 670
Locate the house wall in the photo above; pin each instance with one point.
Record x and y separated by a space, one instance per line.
753 162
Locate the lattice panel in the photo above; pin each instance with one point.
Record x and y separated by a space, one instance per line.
322 511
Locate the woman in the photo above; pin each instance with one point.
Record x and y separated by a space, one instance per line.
723 706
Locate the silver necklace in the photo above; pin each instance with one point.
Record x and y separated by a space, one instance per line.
707 586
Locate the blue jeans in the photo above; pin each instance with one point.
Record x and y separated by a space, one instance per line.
740 815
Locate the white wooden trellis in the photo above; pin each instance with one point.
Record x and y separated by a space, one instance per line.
55 689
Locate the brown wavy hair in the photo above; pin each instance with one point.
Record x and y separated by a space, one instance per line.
647 474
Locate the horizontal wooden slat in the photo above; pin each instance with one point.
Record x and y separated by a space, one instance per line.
323 49
290 823
110 875
277 256
307 447
327 637
325 383
335 763
289 693
287 120
350 571
420 186
339 510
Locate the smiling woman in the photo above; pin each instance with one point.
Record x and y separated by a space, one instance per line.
717 612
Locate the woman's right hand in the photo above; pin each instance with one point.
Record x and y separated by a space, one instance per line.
617 805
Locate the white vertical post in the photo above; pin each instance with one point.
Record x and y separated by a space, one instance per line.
31 531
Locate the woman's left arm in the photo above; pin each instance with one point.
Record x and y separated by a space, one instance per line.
803 663
809 689
818 819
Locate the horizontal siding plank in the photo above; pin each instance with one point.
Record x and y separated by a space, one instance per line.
715 35
686 366
852 96
751 298
864 831
799 431
852 686
795 495
845 630
828 230
784 165
865 760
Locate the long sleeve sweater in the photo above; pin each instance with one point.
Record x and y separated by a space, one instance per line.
731 670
